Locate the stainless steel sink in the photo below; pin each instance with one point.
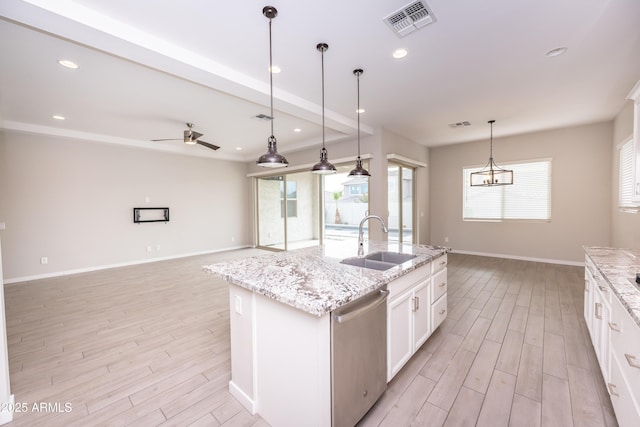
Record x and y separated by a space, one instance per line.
379 260
392 257
368 263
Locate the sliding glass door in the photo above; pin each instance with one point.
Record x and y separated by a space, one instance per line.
287 211
400 187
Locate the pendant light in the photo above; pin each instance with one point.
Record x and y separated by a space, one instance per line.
323 167
359 170
271 159
491 174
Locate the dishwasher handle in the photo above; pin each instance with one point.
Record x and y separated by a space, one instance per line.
345 317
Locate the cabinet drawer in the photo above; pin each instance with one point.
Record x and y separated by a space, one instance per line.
438 284
439 263
627 411
625 344
401 284
438 312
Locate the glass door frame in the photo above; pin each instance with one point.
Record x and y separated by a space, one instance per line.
413 169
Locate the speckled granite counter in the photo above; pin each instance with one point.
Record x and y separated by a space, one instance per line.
619 268
313 279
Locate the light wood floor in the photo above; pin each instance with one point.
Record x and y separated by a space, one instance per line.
149 345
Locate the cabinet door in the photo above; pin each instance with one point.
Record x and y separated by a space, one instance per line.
399 332
421 308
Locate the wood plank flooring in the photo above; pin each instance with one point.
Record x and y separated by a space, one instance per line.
148 345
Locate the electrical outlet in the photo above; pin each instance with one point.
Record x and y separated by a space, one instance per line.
44 260
3 226
149 248
157 247
233 239
446 240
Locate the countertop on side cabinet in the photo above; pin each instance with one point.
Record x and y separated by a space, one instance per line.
313 279
619 268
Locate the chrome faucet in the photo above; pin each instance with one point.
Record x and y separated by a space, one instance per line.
361 232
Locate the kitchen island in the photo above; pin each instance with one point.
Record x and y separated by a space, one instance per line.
280 315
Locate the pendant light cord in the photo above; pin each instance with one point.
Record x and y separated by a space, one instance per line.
491 143
322 56
271 75
358 112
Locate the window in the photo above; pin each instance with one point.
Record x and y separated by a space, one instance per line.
625 193
529 198
292 199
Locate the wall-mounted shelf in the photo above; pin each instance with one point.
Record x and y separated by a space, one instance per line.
150 215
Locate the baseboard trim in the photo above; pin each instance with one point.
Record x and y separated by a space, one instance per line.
246 401
116 265
522 258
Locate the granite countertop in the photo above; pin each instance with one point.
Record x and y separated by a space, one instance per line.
619 268
313 279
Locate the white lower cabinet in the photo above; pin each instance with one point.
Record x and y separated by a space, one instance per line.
616 341
411 316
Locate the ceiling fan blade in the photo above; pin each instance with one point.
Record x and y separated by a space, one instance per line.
195 135
206 144
166 139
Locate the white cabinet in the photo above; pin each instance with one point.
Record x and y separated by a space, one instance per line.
624 381
417 304
597 313
616 341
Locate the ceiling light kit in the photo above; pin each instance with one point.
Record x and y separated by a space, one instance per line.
491 174
400 53
323 167
359 170
271 159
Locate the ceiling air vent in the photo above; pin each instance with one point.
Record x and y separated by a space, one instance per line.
262 117
411 17
459 125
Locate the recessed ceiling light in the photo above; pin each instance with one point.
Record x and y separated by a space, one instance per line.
58 117
68 64
556 52
360 111
239 148
275 69
297 130
400 53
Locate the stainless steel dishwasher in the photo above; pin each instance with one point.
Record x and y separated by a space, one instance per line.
358 357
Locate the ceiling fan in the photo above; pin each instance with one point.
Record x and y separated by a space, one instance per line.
191 138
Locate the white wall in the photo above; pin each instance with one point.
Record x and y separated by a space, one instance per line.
581 195
72 201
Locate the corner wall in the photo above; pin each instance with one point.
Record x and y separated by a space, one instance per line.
580 204
71 201
625 226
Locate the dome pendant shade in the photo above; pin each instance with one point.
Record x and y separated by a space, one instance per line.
491 174
271 159
359 170
323 167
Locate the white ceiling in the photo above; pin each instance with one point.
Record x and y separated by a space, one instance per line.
148 66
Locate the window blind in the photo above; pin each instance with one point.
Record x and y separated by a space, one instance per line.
625 195
529 198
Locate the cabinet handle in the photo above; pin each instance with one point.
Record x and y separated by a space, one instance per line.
631 360
443 284
415 305
598 311
614 327
443 262
441 312
612 389
603 289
